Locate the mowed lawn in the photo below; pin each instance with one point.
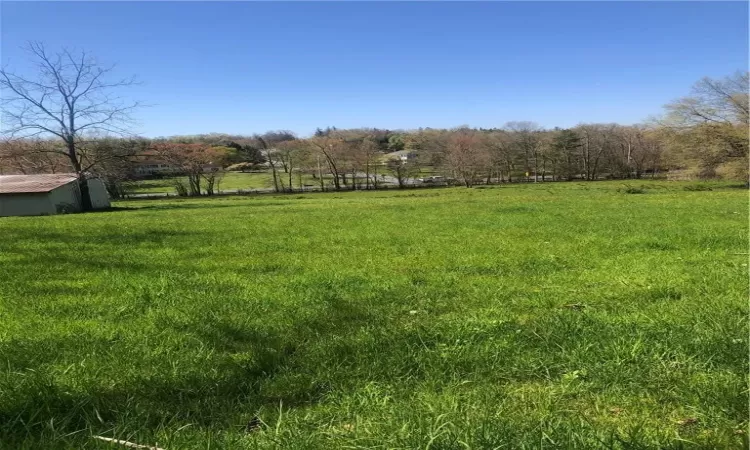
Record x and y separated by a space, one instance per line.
563 315
230 181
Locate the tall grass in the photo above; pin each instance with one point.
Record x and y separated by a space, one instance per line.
538 316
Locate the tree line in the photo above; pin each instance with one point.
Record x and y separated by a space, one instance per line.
64 119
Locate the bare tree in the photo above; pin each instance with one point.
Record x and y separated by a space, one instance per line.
27 156
116 160
333 149
467 155
501 155
648 152
267 143
199 162
291 155
528 141
402 170
368 151
707 131
69 97
714 101
597 140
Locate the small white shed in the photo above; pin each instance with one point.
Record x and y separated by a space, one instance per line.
45 194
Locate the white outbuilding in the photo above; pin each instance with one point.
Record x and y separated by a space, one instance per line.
45 194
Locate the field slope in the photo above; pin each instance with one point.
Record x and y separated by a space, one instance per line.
539 316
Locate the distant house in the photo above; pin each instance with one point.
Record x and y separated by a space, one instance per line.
147 168
45 194
403 155
143 168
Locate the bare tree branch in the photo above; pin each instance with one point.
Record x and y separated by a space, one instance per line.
67 98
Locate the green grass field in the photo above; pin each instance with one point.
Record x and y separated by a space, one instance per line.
564 315
230 181
245 181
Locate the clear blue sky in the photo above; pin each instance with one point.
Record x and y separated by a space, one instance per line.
245 67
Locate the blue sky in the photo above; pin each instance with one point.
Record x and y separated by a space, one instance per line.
244 67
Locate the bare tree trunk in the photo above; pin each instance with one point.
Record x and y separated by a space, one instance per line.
320 176
334 171
275 175
194 180
367 173
336 179
210 180
630 160
586 156
596 166
83 184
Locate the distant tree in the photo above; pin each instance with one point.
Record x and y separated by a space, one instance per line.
267 144
291 155
69 98
34 155
332 149
527 138
647 152
501 155
244 153
199 162
707 131
467 155
116 170
429 144
565 146
597 141
396 142
402 170
369 154
322 133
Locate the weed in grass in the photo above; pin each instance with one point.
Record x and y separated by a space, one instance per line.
697 188
632 190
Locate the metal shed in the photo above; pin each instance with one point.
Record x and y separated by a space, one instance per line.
45 194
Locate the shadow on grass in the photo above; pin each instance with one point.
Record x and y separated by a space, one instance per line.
110 234
206 205
299 356
77 252
244 363
202 203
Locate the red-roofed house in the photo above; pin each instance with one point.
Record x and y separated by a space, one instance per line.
45 194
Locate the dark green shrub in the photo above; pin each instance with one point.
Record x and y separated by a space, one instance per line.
632 190
697 188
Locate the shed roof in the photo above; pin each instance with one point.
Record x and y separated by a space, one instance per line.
24 184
